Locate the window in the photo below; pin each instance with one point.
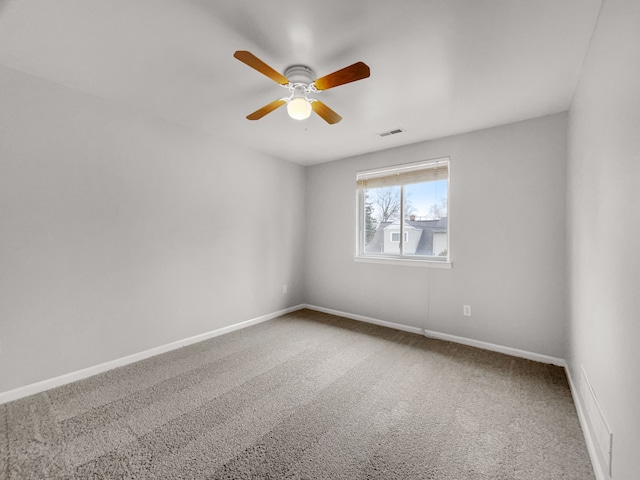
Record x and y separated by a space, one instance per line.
417 194
395 236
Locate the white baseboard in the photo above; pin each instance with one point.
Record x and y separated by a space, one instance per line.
362 318
598 468
515 352
48 384
537 357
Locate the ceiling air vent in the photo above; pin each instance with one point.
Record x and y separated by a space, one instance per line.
391 132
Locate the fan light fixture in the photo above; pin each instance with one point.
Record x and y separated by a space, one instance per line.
300 85
299 108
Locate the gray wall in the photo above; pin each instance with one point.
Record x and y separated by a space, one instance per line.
120 232
604 228
507 240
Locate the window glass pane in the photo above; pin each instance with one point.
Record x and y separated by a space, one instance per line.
381 210
403 211
425 219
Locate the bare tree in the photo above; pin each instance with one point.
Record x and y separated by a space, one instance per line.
386 202
438 209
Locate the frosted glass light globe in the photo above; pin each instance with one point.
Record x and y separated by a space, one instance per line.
299 108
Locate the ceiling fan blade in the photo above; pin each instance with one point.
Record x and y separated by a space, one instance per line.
325 112
254 62
349 74
261 112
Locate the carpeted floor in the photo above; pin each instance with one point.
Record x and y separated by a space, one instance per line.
304 396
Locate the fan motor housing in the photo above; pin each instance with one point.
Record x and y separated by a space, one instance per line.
299 74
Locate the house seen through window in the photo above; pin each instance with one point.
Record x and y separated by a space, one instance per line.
409 202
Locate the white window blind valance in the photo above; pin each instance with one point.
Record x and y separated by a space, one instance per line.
405 174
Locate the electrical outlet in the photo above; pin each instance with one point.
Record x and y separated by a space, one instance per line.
466 310
284 288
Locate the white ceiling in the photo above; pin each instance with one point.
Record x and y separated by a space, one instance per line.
438 67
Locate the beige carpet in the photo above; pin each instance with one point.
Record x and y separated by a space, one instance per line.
304 396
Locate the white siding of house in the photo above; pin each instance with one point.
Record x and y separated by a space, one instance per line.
410 245
439 242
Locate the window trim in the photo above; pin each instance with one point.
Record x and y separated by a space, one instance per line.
400 259
382 260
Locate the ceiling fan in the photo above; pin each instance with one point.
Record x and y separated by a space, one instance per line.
298 80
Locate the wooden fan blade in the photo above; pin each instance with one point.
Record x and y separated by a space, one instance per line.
349 74
258 114
325 112
254 62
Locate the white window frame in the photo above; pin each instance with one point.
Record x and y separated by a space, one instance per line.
400 259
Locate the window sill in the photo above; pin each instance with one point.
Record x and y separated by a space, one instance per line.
404 261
